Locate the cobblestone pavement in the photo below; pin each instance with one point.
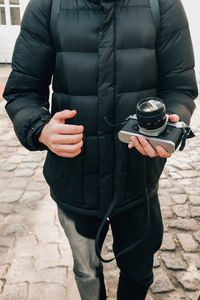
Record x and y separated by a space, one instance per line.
35 257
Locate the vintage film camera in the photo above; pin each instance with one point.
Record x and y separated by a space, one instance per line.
152 122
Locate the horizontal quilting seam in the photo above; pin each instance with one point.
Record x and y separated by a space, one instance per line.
79 9
70 95
138 91
74 51
135 48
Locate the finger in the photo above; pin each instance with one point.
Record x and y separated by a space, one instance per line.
174 118
68 154
69 129
130 145
147 147
137 145
62 139
162 152
64 114
68 148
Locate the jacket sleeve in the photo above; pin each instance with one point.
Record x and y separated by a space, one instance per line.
176 84
27 88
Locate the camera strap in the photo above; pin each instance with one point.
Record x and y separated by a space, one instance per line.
104 226
187 134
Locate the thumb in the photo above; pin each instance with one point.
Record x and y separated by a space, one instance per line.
174 118
64 114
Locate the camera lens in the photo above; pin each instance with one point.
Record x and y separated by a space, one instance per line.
151 115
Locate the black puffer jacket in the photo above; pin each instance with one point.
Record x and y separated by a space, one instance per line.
106 57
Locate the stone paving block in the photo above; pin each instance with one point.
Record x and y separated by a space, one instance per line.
165 199
180 198
175 175
174 296
38 217
15 159
156 262
14 218
18 183
189 173
184 224
1 287
48 256
189 280
9 195
147 298
22 269
3 183
197 236
15 230
46 204
53 275
168 242
195 211
28 165
182 210
36 186
167 212
187 242
193 295
6 208
3 270
194 200
46 233
6 242
112 282
193 260
65 255
8 167
46 291
187 182
15 292
193 192
174 261
165 184
6 255
23 172
196 182
162 283
35 157
26 246
176 189
31 196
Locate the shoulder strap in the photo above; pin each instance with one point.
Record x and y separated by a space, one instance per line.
55 7
155 9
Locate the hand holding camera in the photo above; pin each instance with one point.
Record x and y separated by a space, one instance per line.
151 131
145 148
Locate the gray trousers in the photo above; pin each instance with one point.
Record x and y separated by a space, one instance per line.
135 267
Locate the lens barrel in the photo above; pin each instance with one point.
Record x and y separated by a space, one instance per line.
151 113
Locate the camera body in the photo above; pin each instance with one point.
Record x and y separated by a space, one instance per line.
169 139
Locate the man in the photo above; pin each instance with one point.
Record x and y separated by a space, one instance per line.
104 57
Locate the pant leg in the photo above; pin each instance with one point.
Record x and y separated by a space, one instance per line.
81 232
136 266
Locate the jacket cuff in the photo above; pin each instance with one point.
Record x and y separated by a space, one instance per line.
34 134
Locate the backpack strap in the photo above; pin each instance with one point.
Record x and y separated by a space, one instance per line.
55 7
155 9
